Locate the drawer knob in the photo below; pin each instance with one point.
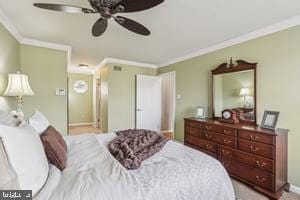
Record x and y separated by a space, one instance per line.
208 127
226 132
226 141
254 149
261 180
208 146
208 136
225 152
259 164
254 138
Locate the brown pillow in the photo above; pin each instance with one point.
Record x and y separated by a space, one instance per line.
55 147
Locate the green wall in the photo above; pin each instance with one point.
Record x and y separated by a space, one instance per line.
80 104
118 96
9 63
278 81
47 70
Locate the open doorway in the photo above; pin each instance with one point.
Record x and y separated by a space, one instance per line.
82 90
168 103
98 103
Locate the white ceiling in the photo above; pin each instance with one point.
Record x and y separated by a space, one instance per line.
179 27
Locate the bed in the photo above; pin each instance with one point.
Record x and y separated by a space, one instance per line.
176 172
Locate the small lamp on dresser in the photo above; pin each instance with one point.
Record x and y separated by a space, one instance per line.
244 92
18 86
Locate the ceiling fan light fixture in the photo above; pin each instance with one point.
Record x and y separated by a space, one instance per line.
83 66
107 9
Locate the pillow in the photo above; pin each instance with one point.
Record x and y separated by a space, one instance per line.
55 147
9 179
26 155
39 122
7 119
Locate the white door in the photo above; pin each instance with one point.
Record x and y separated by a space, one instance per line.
148 102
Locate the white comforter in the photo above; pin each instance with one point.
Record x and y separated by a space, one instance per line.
176 172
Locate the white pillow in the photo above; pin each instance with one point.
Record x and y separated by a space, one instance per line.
26 154
39 122
7 119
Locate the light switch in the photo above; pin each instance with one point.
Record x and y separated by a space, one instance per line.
178 96
60 92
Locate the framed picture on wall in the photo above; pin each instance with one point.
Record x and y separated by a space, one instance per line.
270 119
201 112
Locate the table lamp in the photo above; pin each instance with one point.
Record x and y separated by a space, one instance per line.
244 92
18 86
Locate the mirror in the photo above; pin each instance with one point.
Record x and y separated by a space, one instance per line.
234 88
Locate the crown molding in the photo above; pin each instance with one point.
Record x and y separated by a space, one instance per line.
73 70
49 45
10 27
285 24
32 42
100 65
123 62
131 63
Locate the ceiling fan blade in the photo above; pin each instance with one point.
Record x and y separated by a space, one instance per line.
136 5
132 25
99 27
63 8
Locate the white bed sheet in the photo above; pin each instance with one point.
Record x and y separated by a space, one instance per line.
175 173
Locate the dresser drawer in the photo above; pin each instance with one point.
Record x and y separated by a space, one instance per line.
250 174
256 137
256 148
193 131
214 155
220 129
204 144
219 138
193 123
246 158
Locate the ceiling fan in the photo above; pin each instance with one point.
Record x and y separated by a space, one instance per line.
107 10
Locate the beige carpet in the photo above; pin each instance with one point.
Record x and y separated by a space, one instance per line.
244 192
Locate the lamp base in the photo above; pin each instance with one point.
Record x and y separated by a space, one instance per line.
20 103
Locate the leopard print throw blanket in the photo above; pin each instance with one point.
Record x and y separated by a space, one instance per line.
133 146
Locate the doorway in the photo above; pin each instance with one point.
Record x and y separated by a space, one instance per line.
83 104
98 103
168 103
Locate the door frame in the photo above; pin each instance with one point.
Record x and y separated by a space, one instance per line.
98 103
172 73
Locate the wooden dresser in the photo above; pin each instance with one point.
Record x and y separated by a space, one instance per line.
255 156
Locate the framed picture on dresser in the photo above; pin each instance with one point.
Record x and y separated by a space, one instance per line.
201 112
270 119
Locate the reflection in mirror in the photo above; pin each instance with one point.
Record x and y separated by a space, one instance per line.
234 91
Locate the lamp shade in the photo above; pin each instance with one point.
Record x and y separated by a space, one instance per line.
18 85
245 92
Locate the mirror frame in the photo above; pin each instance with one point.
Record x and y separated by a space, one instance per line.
225 68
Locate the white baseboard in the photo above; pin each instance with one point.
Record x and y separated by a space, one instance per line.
81 124
295 189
